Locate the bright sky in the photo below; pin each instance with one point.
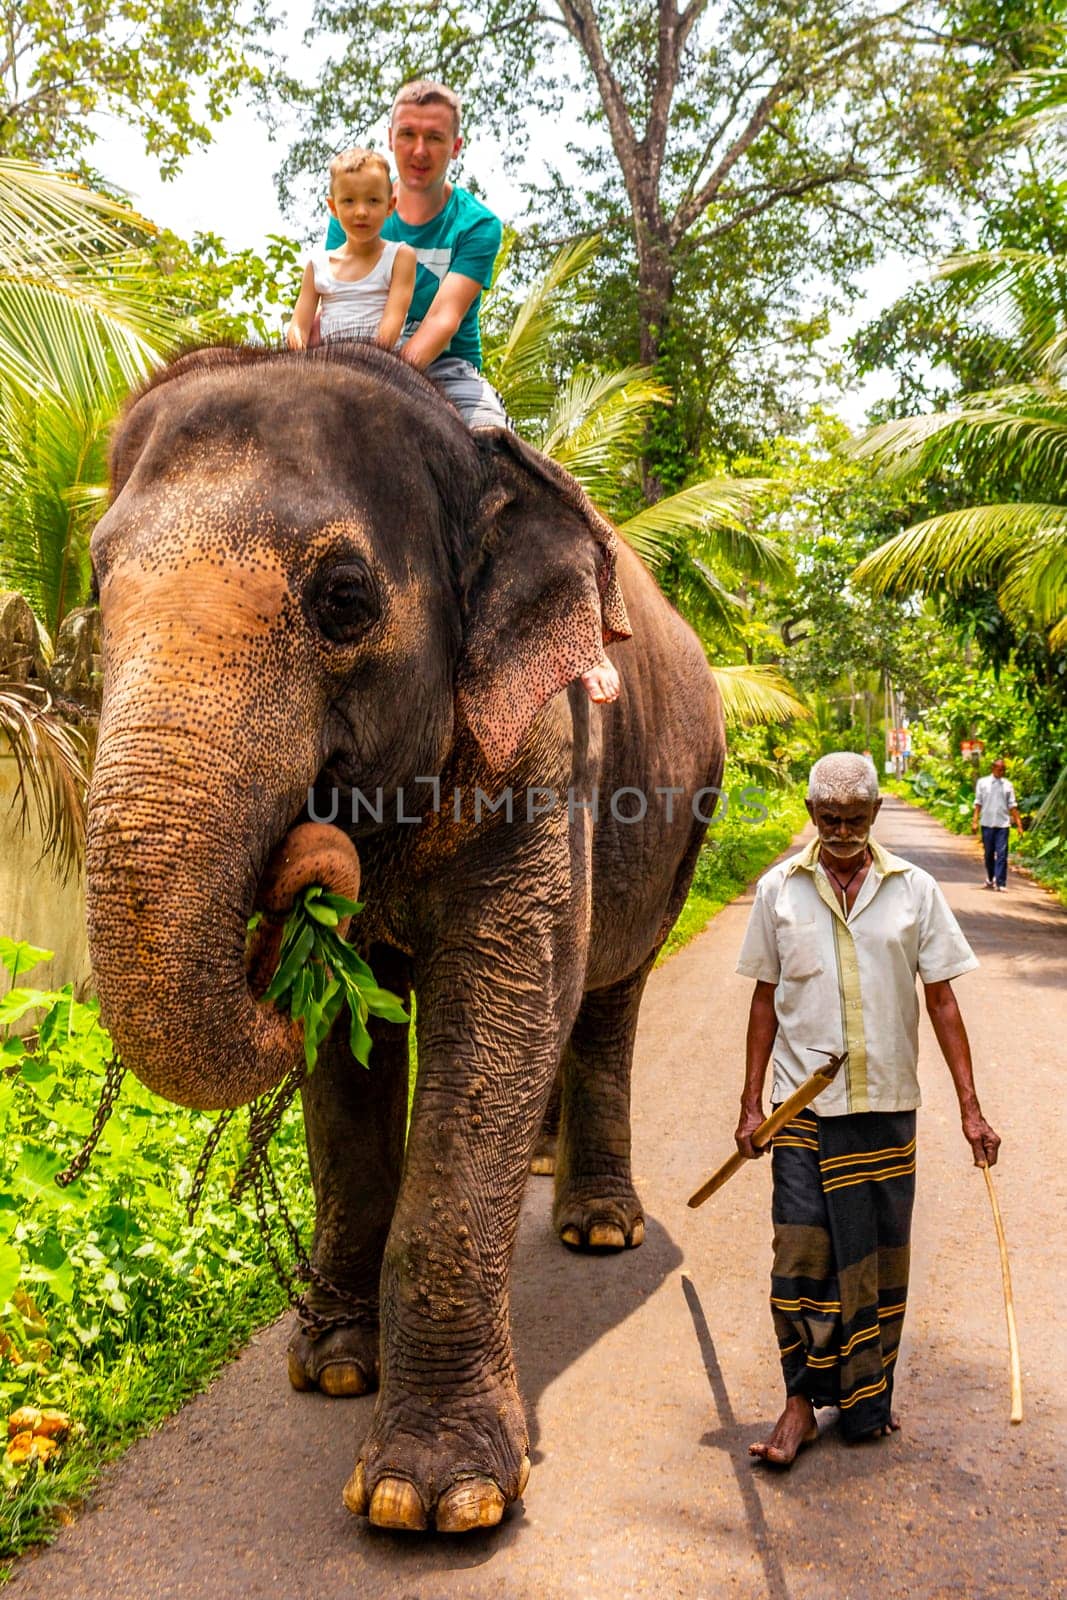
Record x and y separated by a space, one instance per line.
229 190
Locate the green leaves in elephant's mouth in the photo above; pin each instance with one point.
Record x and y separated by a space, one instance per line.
318 972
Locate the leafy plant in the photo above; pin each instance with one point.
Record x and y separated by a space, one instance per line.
318 973
112 1308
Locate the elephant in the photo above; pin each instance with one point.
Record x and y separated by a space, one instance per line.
324 598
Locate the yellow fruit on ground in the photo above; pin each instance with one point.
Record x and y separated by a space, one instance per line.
25 1419
20 1448
52 1425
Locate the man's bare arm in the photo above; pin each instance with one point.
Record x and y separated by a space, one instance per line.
448 308
944 1013
759 1042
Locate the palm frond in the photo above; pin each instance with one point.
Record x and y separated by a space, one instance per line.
80 310
762 770
51 760
521 364
1021 429
755 693
1022 292
708 519
596 424
48 220
52 473
961 547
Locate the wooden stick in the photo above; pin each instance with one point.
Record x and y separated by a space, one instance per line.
769 1126
1009 1303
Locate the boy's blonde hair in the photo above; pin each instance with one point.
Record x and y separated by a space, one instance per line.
354 159
424 91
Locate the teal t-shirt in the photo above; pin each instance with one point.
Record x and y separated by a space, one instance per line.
464 237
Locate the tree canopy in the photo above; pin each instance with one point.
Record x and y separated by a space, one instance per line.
731 152
170 71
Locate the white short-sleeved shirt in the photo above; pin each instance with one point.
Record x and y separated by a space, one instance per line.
996 798
849 984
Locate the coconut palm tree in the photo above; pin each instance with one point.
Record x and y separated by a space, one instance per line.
1013 436
81 320
697 542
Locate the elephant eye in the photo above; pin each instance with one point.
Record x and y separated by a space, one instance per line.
342 601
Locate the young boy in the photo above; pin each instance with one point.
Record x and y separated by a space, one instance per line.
363 289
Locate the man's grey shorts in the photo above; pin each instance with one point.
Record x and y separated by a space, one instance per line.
472 395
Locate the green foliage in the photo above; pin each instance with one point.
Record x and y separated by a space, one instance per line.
230 296
699 542
169 71
756 827
744 161
79 317
318 973
976 703
111 1306
838 640
53 467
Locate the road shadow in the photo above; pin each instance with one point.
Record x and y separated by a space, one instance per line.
733 1438
245 1483
562 1304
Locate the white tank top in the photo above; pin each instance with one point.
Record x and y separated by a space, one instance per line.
353 310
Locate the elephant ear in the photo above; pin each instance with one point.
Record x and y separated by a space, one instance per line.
545 599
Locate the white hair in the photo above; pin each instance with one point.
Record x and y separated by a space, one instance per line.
842 777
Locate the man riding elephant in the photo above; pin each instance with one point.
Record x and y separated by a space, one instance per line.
294 603
455 239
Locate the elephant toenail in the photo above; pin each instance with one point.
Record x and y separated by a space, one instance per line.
637 1234
473 1503
524 1474
298 1374
342 1379
572 1237
606 1236
354 1493
396 1503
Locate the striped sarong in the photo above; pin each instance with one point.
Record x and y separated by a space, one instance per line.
843 1193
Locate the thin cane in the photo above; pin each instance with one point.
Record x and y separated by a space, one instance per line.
1009 1303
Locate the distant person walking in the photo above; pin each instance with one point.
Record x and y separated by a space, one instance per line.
995 806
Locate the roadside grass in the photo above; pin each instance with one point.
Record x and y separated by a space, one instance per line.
113 1308
738 847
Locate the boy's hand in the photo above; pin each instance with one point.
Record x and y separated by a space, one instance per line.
751 1117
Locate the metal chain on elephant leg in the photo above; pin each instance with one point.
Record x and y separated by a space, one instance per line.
211 1144
264 1119
257 1174
109 1093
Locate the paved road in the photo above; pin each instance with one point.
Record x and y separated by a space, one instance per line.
647 1375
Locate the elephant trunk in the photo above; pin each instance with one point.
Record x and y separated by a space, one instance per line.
172 880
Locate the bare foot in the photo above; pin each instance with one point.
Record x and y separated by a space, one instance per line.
602 682
795 1428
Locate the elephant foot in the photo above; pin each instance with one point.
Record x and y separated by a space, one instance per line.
543 1160
599 1221
455 1474
341 1363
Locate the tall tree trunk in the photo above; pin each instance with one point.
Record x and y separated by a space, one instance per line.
655 286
